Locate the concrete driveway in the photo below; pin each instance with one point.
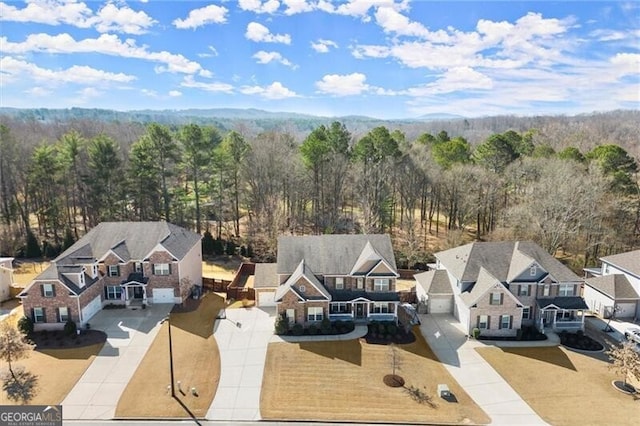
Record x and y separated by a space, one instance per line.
129 334
242 337
485 386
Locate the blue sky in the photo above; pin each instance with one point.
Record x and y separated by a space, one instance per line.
381 58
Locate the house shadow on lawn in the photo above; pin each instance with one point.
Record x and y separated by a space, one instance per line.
419 346
198 316
550 354
59 345
347 350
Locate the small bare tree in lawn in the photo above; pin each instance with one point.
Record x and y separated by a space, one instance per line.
395 362
626 362
19 384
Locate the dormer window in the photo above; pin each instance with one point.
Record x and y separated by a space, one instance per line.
94 271
47 290
533 271
81 281
138 267
113 271
339 283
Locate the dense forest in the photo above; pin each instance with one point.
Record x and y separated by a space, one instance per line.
568 183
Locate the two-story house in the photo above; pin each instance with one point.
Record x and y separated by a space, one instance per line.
6 277
120 263
500 286
340 277
615 287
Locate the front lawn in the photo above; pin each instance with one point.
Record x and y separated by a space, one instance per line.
562 386
343 381
58 370
196 362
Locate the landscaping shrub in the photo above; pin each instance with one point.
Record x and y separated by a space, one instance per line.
519 333
25 325
282 325
312 330
476 332
70 328
350 326
325 326
297 329
392 329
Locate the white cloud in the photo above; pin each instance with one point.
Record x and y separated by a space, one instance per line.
86 94
210 54
343 85
13 69
453 80
626 64
393 21
212 14
38 91
322 45
274 91
190 82
259 33
105 44
258 6
149 93
266 57
110 18
297 6
175 93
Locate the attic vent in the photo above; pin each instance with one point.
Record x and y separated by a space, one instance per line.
302 288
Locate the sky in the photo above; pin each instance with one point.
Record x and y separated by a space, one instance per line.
380 58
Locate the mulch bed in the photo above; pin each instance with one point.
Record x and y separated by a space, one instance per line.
398 338
59 340
580 342
393 380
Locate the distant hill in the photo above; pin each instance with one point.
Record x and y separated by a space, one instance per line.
440 116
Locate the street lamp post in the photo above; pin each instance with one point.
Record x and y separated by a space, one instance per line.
173 391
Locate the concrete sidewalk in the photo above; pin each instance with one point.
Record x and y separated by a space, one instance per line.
242 337
129 335
484 385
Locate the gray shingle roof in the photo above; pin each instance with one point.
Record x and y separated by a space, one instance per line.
499 259
616 286
563 302
485 282
374 296
330 254
265 276
629 261
302 270
130 241
434 281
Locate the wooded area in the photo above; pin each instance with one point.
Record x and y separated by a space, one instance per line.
575 192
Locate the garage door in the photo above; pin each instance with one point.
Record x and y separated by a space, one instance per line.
163 295
626 310
91 309
266 298
441 305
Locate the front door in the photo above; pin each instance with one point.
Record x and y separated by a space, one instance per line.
548 317
137 292
359 310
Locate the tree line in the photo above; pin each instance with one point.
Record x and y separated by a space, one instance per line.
249 188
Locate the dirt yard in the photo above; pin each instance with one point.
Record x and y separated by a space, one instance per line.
196 363
343 381
564 387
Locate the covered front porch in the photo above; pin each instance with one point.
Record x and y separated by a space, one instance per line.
561 314
134 290
363 310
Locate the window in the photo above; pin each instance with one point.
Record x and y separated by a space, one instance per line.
526 313
38 315
496 299
360 283
161 269
94 271
483 322
137 267
339 283
113 292
380 308
81 279
63 314
340 308
565 290
533 270
505 321
291 315
546 290
114 271
523 290
314 314
47 290
381 284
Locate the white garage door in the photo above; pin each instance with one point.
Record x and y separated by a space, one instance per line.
91 309
163 295
441 305
626 310
266 298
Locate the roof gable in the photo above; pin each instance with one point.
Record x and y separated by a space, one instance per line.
628 261
301 272
485 283
616 286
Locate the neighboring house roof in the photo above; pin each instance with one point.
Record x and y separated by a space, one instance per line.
563 302
302 271
629 261
434 281
6 262
504 260
486 281
616 286
129 241
265 276
334 254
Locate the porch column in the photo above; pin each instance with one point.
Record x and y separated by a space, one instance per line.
144 294
582 318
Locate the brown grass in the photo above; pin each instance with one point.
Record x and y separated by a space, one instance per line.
58 370
223 268
196 361
343 381
27 271
564 387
